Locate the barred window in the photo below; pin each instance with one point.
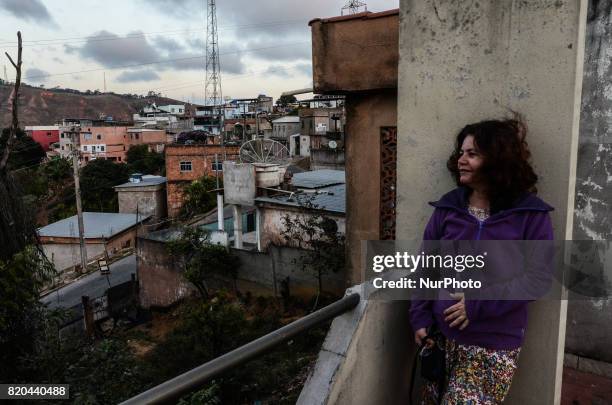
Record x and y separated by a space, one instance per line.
185 166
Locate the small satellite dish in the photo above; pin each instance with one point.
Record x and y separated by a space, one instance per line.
332 144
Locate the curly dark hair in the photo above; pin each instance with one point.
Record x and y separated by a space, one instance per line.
506 170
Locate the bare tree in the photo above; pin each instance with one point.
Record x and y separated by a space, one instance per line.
17 228
14 101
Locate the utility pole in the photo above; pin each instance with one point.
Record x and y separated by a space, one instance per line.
105 82
5 75
220 208
77 190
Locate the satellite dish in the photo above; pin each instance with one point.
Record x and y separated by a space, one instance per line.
263 151
332 144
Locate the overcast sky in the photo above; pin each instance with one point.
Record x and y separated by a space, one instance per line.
264 44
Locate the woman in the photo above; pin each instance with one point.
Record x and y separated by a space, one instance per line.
494 201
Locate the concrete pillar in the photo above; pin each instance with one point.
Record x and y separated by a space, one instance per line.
220 213
258 227
461 63
237 226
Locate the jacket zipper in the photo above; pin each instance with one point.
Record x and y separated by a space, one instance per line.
480 225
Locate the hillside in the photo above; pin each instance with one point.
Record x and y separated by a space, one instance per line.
46 107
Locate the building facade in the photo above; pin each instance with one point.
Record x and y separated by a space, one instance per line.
45 136
186 163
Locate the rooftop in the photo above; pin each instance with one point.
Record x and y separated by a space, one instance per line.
287 119
332 199
147 180
318 178
366 15
96 225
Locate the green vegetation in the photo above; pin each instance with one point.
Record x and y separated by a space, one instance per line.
198 197
141 160
202 260
98 179
317 234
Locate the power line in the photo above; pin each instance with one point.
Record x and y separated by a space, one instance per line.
116 37
163 61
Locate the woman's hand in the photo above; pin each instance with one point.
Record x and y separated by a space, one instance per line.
456 314
419 335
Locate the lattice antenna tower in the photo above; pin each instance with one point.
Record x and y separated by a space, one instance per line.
354 7
213 95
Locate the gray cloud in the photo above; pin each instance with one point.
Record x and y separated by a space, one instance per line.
145 75
176 8
196 43
167 44
29 10
263 50
136 49
304 68
118 51
34 75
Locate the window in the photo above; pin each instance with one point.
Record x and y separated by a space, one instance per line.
62 135
99 136
62 147
136 136
217 167
85 148
119 158
87 136
102 148
185 166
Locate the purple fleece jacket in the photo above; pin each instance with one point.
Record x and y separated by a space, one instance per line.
498 325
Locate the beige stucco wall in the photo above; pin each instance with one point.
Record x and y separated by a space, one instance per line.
366 114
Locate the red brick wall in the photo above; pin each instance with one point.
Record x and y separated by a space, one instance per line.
202 158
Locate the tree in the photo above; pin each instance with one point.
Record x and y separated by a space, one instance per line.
317 234
198 197
98 180
201 260
140 159
25 151
285 100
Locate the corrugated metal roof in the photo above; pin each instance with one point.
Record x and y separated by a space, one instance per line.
147 180
318 178
331 199
96 225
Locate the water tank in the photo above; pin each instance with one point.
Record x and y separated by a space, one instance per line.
266 174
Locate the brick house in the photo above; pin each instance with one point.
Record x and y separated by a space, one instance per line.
186 163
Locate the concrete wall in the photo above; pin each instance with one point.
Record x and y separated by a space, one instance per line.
66 255
592 320
161 283
464 64
272 222
65 252
332 159
366 114
355 53
149 201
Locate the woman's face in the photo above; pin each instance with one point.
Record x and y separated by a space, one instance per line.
470 161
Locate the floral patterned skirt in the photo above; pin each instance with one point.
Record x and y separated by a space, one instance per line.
475 376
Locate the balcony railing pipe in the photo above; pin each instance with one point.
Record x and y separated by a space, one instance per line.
194 379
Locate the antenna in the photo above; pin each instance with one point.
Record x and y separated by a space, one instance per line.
213 95
105 82
353 6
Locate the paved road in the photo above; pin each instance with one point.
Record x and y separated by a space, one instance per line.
92 285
